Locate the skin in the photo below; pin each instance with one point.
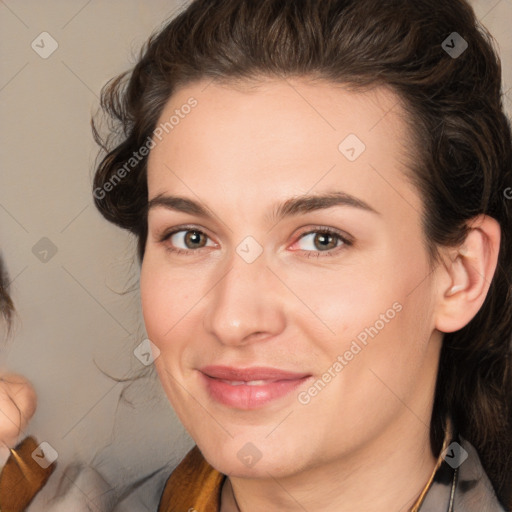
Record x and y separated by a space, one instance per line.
361 444
18 403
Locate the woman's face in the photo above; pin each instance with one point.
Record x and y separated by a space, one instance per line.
339 327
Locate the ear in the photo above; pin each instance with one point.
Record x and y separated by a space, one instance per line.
465 277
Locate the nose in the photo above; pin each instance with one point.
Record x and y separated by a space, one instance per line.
246 305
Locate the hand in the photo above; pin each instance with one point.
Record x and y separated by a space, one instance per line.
18 401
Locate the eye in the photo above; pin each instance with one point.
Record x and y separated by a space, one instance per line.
189 240
323 240
185 240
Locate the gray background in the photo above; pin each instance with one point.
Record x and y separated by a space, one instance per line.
72 318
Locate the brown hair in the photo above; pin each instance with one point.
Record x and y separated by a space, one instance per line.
462 140
6 305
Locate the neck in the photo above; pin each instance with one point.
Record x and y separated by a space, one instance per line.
386 475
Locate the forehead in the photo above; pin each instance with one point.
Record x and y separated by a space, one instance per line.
249 141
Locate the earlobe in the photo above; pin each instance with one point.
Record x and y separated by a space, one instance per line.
468 275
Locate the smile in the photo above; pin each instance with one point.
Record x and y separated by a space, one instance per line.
249 388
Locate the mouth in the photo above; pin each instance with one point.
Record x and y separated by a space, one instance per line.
246 383
249 388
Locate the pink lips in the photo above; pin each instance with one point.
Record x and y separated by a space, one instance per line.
249 388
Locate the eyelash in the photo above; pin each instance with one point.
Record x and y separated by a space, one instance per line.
317 229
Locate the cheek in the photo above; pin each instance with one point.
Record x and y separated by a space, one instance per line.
339 304
156 301
384 304
390 330
167 299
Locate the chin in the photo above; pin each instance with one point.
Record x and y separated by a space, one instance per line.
246 459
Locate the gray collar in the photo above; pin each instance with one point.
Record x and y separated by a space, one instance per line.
460 483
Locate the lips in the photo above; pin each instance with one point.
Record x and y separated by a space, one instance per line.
249 388
250 374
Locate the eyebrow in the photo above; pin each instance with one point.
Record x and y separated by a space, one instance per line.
290 207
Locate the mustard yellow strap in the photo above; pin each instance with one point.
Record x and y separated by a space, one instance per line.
22 477
193 485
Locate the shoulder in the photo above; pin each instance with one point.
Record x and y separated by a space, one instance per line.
461 484
474 489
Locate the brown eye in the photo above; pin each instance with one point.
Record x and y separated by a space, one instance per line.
325 241
194 239
186 241
321 240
